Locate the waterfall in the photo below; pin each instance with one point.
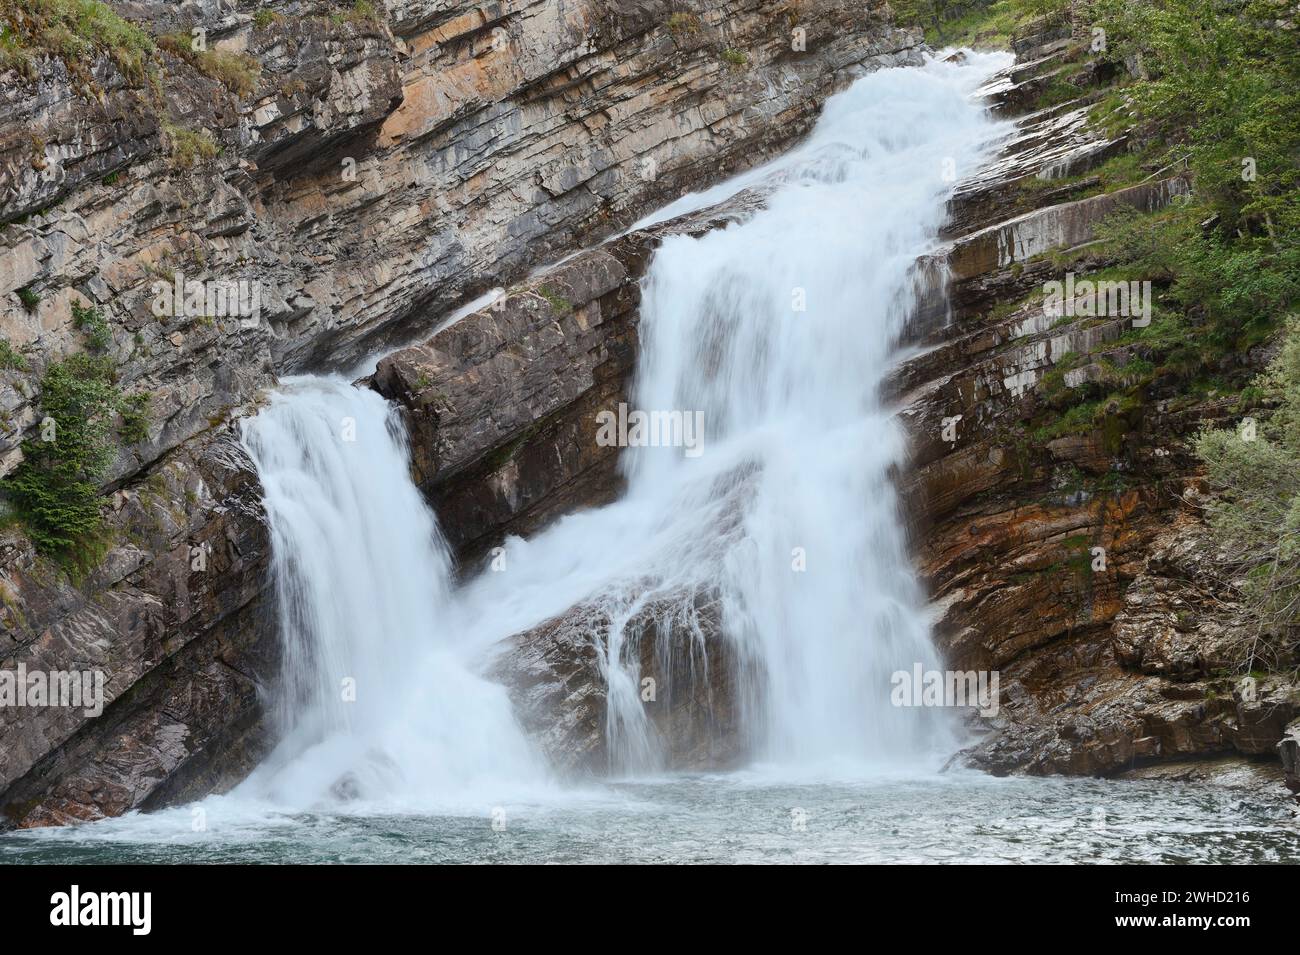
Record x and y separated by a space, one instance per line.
377 700
775 335
780 331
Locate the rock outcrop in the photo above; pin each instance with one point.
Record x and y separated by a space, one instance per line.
501 403
555 675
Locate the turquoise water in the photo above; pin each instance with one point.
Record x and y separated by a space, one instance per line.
741 818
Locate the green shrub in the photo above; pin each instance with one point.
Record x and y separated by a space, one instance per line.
29 297
362 11
135 410
734 57
1222 86
55 489
91 322
972 22
9 358
559 304
238 72
189 146
1255 514
74 31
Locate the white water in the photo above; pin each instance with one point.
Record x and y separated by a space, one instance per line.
798 448
789 515
377 701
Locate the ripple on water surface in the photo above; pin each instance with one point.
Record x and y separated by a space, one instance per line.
956 818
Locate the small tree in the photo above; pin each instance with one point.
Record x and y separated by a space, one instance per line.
1255 516
56 488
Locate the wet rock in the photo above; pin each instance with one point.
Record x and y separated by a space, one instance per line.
1072 563
684 678
1289 751
502 403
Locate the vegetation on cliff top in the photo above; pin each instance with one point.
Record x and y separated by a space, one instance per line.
979 23
71 30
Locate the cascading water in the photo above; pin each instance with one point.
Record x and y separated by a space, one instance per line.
376 700
778 332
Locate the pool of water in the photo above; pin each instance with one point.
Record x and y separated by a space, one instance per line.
742 818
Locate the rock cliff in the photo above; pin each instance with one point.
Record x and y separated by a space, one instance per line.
1071 554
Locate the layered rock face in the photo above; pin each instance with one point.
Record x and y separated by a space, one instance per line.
367 168
1075 561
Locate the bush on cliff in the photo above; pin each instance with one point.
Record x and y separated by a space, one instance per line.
1254 471
55 490
973 22
1218 85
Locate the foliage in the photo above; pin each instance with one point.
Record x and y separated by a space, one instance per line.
559 304
1227 293
1221 85
1255 515
361 11
91 322
238 72
72 30
189 146
135 410
56 488
29 297
10 358
972 22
